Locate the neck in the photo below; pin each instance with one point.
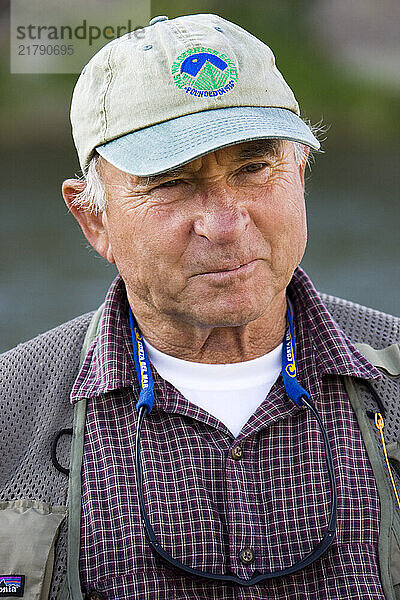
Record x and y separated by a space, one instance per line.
213 345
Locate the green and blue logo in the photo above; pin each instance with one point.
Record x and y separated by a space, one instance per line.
204 72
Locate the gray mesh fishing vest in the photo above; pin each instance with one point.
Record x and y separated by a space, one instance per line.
36 378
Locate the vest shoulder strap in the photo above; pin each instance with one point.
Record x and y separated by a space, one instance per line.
92 331
387 360
73 589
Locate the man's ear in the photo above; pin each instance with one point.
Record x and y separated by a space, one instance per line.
93 225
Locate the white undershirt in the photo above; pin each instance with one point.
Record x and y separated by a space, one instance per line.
230 392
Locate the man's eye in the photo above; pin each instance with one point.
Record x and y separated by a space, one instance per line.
170 183
254 167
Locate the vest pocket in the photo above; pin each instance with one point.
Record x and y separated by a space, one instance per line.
28 532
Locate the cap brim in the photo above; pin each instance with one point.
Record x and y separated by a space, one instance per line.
173 143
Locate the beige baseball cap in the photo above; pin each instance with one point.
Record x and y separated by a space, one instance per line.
183 88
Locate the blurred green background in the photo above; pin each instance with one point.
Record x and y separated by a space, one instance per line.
342 60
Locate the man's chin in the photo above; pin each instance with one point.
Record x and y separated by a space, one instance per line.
227 317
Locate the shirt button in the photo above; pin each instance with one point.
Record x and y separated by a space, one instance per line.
237 453
246 556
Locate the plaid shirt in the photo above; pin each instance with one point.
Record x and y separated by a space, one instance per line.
206 506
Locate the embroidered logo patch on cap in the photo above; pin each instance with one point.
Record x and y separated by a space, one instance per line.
12 586
204 72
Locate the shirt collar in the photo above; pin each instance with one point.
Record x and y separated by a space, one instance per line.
333 351
109 363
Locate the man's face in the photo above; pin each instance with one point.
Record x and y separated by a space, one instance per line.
213 243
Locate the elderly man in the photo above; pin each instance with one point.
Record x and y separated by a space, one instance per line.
223 445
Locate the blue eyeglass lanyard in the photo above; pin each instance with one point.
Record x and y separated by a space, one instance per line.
295 392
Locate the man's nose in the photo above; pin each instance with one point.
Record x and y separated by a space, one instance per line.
222 219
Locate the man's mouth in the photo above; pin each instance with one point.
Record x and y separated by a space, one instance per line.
230 271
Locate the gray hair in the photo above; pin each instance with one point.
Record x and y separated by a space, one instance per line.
94 197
